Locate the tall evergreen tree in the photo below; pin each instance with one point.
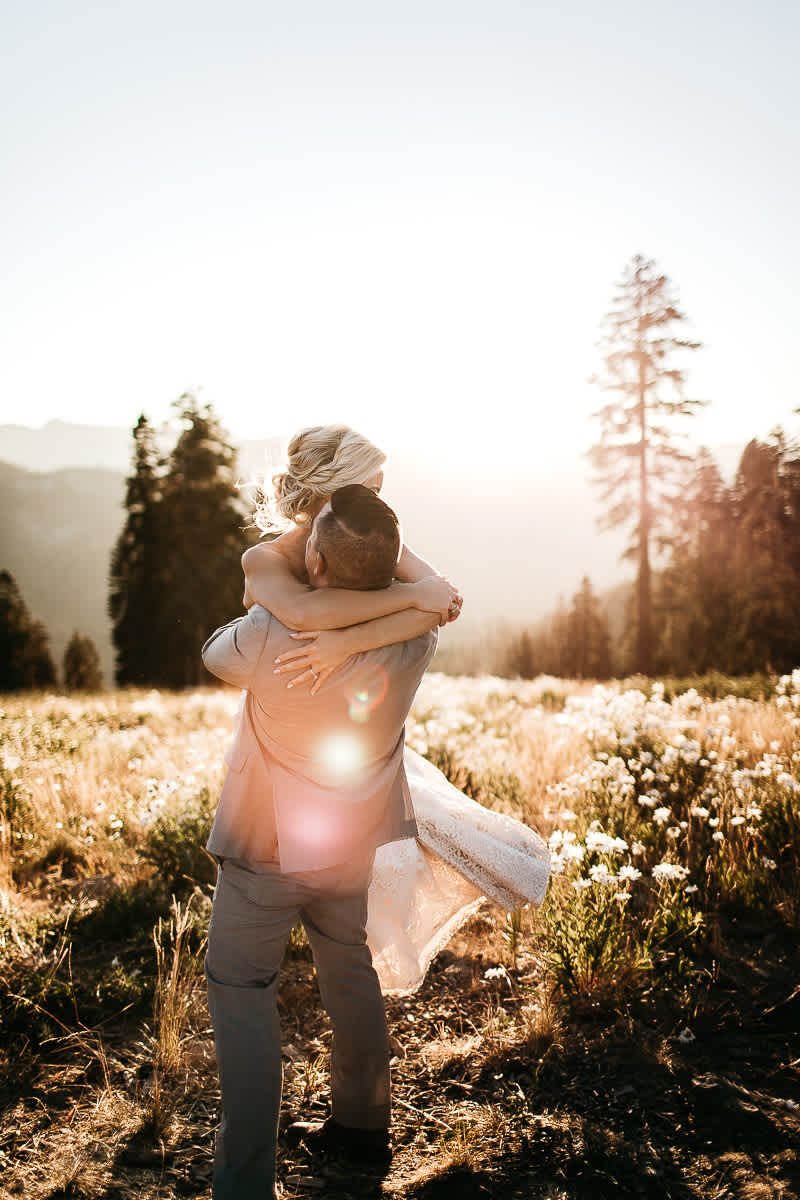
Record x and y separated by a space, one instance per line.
137 583
637 450
553 641
81 666
521 656
206 519
588 648
766 561
696 597
25 658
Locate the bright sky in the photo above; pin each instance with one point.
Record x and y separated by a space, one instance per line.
408 217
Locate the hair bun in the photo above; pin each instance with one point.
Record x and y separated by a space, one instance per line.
320 459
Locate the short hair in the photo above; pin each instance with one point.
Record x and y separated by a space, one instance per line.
359 537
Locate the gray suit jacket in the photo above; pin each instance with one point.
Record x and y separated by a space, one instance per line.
313 781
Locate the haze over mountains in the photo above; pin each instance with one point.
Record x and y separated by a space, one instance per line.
513 546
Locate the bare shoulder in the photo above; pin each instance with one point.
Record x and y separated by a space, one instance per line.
265 556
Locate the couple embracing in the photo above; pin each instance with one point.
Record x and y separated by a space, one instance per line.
325 816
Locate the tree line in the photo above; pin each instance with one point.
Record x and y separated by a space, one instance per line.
717 565
717 581
25 657
175 571
725 595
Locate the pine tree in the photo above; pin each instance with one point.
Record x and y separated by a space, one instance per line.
555 642
637 450
81 667
206 519
588 649
695 592
766 560
25 659
521 658
137 582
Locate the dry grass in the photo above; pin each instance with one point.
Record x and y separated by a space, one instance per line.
501 1088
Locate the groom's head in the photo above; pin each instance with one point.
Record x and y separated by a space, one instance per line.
354 541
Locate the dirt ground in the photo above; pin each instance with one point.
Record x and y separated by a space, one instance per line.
498 1090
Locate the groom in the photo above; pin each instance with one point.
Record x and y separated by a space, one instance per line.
315 784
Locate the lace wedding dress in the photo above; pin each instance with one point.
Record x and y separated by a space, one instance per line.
423 890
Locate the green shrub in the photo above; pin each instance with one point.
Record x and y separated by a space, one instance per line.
175 845
585 939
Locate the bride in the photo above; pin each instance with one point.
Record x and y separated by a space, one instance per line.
421 890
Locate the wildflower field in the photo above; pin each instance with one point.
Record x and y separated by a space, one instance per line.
637 1036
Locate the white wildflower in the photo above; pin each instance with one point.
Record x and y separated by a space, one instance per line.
600 873
669 870
602 842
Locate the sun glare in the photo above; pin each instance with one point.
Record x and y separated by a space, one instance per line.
342 755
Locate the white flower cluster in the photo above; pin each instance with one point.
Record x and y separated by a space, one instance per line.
567 851
472 718
701 787
787 695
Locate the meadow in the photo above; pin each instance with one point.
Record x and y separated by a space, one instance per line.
637 1036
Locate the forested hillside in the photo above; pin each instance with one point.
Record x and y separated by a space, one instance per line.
56 534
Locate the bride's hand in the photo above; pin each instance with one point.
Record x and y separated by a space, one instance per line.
436 594
321 653
454 611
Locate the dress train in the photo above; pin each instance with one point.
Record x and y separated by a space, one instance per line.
424 889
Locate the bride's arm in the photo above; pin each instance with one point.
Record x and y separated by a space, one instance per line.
411 568
270 582
321 653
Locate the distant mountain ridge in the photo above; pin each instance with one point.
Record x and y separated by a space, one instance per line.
513 549
59 445
56 534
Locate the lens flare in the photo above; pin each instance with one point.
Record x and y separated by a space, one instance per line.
367 695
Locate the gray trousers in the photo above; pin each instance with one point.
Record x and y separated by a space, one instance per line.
252 916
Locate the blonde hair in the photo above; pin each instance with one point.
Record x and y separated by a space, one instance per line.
319 460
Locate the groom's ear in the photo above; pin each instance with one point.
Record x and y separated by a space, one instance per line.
318 569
